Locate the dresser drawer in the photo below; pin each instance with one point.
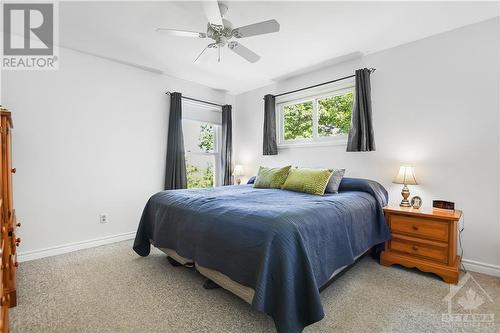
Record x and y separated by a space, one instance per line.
435 251
428 229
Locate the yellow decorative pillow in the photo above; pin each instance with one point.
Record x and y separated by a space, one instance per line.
271 177
312 181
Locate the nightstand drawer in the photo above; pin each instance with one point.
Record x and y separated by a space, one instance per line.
436 251
428 229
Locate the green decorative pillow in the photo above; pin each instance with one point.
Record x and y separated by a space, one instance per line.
312 181
271 177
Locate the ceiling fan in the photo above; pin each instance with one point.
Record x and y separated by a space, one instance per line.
221 31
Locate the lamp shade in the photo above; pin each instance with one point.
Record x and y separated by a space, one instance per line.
405 176
238 170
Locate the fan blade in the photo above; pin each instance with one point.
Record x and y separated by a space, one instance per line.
260 28
212 12
182 33
244 52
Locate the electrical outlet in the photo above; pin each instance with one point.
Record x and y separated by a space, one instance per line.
103 218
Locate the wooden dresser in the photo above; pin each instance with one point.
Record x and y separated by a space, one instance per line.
425 239
9 241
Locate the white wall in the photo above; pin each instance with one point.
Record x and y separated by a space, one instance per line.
89 138
436 106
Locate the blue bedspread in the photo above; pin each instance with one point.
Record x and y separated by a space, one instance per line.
285 245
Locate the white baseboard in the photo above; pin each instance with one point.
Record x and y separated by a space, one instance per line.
70 247
481 267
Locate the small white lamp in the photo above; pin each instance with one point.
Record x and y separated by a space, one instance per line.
237 173
405 176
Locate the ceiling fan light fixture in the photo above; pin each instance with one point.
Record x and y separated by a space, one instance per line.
221 30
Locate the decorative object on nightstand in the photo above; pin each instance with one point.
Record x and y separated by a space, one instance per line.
425 239
405 176
237 173
416 202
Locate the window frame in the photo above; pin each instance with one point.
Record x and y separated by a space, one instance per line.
314 97
216 153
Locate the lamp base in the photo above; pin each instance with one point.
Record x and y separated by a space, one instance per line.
405 192
405 203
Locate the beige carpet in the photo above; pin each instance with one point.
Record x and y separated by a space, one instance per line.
111 289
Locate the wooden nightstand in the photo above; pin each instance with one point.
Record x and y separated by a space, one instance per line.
425 239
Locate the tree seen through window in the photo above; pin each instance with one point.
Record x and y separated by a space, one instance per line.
200 162
332 116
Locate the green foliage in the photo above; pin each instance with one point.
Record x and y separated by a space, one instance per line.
199 177
298 121
334 115
206 140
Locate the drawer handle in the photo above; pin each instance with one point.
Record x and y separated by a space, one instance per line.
18 240
18 224
414 227
13 170
415 248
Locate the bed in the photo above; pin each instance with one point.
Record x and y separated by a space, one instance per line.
278 247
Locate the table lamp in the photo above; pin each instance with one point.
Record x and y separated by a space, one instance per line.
237 173
406 177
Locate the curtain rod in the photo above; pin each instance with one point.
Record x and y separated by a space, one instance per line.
320 84
197 100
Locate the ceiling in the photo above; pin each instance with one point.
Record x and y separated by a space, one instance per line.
311 33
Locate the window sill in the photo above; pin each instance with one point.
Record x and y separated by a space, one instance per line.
312 144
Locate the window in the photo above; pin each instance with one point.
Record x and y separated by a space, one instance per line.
201 125
322 118
298 121
201 141
201 129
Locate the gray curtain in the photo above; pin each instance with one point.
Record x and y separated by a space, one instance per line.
361 136
227 146
175 173
269 144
